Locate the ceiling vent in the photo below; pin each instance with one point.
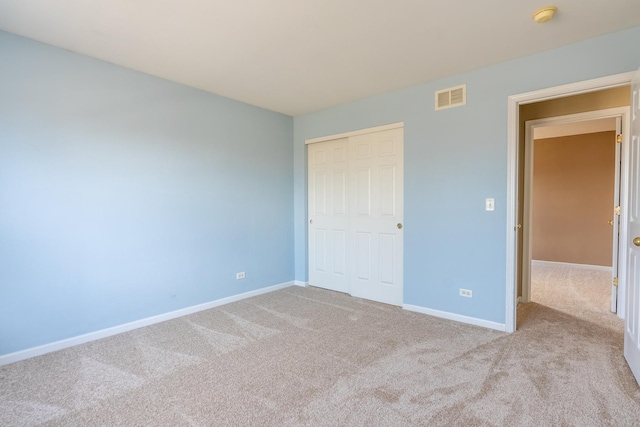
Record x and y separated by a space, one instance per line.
452 97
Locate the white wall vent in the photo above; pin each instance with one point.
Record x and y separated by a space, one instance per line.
452 97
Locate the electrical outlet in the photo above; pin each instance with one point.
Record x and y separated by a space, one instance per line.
240 275
466 293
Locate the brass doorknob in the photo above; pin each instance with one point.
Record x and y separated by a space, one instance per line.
399 225
636 241
610 222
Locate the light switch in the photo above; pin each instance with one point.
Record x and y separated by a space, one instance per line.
490 204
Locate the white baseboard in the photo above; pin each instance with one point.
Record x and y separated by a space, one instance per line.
519 300
301 283
103 333
569 264
456 317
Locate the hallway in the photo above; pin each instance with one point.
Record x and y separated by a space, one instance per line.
572 289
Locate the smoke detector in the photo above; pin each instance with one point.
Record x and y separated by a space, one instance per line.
545 14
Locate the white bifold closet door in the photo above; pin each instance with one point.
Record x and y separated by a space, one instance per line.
356 214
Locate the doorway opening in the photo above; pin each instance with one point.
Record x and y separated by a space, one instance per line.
565 100
571 201
570 229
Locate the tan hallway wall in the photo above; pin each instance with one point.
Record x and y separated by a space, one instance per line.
573 183
592 101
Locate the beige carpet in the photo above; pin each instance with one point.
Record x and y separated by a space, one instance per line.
309 357
571 288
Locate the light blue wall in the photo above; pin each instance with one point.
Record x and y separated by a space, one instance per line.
454 159
124 196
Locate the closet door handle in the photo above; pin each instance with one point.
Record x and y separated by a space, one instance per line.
399 226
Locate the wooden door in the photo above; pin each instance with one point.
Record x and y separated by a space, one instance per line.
632 315
356 215
328 220
376 206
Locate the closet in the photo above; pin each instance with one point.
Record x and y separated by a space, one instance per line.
355 224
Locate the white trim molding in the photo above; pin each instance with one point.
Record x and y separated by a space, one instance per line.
301 283
570 264
104 333
355 132
455 317
513 103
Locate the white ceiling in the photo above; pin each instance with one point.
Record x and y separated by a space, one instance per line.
300 56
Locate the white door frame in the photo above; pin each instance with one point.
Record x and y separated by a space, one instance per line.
514 103
530 125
